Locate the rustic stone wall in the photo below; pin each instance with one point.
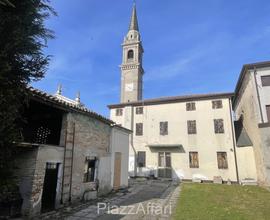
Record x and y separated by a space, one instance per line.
26 163
92 139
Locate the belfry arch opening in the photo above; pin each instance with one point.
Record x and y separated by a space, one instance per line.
130 54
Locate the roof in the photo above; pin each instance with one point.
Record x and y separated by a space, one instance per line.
44 97
134 21
173 99
243 72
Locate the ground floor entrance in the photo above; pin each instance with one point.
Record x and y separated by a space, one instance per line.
164 165
49 187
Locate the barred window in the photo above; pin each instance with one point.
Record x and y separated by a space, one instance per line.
139 129
119 112
217 104
141 159
222 160
190 106
191 127
219 126
163 128
139 110
193 160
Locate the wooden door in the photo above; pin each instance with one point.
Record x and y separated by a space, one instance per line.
117 170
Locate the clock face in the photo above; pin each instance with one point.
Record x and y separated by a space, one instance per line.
129 87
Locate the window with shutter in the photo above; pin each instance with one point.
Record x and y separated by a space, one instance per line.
265 80
217 104
190 106
193 160
139 129
191 125
139 110
219 126
222 160
163 128
119 112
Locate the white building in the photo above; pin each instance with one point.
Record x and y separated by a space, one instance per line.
183 137
252 109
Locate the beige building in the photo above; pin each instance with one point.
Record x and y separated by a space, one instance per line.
252 109
183 137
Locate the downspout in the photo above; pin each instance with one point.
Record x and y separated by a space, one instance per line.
234 141
258 95
131 141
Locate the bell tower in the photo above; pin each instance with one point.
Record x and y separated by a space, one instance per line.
131 67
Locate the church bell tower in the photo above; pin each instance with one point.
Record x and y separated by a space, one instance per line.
131 67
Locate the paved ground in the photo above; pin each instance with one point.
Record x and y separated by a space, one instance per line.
152 199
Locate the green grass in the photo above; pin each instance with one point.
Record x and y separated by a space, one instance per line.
218 202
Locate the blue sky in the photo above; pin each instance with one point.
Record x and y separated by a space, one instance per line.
191 46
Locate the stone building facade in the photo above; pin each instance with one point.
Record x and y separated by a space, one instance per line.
68 154
252 108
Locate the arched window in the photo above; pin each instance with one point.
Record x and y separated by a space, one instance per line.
130 54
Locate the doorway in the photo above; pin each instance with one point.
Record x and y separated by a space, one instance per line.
49 187
117 170
164 165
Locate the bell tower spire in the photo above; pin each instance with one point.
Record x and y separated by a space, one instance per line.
131 67
134 20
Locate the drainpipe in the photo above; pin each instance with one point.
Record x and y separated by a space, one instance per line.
258 95
131 141
234 141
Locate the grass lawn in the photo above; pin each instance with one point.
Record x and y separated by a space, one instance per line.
212 201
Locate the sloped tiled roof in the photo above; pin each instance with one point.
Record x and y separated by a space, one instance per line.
39 95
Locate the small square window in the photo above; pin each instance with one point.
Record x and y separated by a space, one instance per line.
119 112
219 126
190 106
139 110
217 104
265 80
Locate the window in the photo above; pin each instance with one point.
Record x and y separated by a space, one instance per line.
139 129
216 104
268 112
141 159
193 160
119 112
265 80
219 127
164 159
130 54
191 125
190 106
139 110
163 128
222 160
89 171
